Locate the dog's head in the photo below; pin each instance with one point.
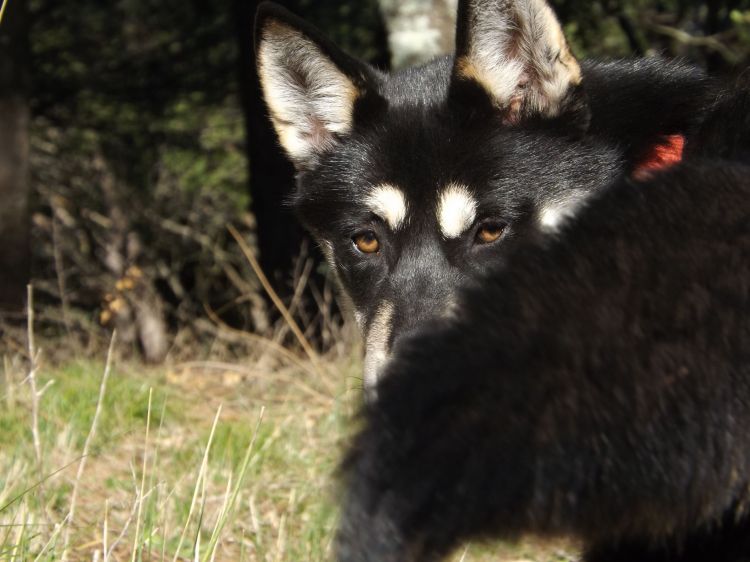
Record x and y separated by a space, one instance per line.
414 182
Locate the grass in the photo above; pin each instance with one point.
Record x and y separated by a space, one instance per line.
200 461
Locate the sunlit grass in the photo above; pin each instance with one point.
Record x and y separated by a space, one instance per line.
2 10
232 468
268 501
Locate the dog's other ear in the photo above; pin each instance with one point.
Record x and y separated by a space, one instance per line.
309 85
515 51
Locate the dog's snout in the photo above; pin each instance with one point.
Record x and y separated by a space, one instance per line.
422 288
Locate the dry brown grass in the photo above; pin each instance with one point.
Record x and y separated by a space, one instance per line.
215 458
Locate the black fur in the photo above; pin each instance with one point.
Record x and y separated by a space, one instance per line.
596 384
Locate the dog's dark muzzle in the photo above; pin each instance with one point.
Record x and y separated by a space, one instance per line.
422 288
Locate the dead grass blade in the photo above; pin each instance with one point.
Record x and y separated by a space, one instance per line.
69 519
293 326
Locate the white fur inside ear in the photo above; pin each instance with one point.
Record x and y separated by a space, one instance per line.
517 52
389 203
309 98
456 210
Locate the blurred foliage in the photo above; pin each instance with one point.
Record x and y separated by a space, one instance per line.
354 26
137 122
715 34
138 157
123 73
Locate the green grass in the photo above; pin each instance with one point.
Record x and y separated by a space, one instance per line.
266 492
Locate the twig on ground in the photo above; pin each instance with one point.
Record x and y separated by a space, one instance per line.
249 373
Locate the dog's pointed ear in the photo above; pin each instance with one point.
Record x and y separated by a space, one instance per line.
515 51
309 85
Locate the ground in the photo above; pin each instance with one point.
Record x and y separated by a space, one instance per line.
160 484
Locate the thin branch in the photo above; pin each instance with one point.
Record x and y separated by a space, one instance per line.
60 273
709 42
299 288
223 327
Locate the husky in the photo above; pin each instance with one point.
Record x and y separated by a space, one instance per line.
417 183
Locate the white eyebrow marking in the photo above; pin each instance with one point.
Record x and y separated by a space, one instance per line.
389 203
551 217
456 210
554 215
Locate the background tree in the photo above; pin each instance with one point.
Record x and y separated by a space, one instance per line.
419 30
14 155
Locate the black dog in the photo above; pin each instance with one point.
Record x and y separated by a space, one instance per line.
415 183
597 385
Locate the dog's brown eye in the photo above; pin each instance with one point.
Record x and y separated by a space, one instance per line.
490 232
366 242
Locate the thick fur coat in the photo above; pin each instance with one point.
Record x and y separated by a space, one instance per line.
596 385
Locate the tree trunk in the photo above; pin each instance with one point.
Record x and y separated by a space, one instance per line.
14 156
419 30
271 174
